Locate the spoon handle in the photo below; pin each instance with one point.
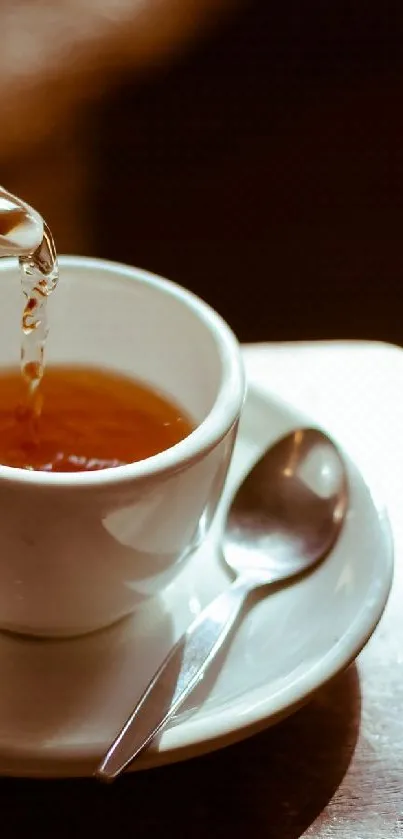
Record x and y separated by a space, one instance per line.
179 673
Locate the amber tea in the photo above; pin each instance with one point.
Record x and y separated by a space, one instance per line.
89 419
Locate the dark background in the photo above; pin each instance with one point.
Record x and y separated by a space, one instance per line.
263 170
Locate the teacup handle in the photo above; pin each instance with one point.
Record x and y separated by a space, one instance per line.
177 676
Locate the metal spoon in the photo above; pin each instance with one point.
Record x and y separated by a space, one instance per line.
284 519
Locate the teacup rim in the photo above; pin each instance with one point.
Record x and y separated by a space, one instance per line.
221 418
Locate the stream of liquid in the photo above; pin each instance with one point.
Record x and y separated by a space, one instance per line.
39 276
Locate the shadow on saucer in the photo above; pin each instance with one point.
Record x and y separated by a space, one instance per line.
275 784
66 692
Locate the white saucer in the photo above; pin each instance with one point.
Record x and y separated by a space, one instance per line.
61 702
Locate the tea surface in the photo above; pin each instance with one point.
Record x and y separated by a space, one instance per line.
89 419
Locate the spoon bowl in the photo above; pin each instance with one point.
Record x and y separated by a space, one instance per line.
289 510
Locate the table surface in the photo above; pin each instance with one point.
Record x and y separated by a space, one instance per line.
333 769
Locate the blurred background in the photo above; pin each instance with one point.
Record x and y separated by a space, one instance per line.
249 150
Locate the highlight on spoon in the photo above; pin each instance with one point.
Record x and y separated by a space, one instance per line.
21 227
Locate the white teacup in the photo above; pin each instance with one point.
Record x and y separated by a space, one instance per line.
81 550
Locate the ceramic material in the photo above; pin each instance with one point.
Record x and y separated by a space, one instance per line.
80 550
61 703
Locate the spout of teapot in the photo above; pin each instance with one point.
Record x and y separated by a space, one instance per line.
21 227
